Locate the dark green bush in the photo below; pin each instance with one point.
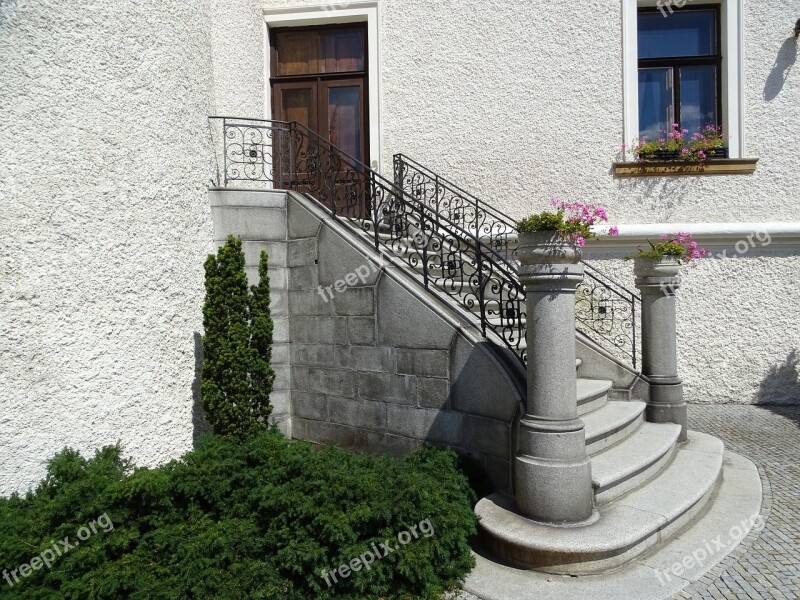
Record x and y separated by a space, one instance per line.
231 520
237 376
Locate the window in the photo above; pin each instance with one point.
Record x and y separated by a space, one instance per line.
686 33
679 69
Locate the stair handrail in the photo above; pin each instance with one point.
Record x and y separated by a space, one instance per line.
500 229
289 155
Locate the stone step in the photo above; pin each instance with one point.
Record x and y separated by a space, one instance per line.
592 393
634 460
624 528
612 422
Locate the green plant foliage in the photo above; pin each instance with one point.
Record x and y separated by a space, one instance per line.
237 376
659 250
680 246
572 221
256 519
544 221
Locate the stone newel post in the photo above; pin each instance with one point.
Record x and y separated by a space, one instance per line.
658 280
552 473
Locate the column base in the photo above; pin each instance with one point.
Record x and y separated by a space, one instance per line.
667 406
552 473
554 492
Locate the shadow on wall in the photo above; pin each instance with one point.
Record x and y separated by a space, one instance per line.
199 423
787 56
663 197
781 386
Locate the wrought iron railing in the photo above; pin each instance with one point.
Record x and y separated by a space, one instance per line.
457 243
605 310
448 257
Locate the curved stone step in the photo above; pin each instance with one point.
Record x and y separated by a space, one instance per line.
631 462
592 393
611 423
625 528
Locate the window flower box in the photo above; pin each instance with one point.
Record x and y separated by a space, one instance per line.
677 155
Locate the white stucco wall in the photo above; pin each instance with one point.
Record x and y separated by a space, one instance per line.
519 102
523 101
104 222
104 161
237 51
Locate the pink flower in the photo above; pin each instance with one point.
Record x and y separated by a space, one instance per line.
613 231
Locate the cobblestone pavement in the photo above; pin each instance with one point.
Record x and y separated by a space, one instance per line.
767 563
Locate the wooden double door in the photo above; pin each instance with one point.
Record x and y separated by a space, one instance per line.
320 80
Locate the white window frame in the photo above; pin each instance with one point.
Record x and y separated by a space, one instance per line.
356 11
732 12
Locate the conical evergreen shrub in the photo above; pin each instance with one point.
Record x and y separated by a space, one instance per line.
237 376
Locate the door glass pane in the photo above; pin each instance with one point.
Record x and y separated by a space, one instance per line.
344 119
698 97
656 102
344 50
682 33
298 105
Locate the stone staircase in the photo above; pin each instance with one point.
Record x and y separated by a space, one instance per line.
647 485
640 484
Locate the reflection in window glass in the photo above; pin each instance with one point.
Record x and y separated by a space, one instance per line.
698 97
656 101
687 33
344 110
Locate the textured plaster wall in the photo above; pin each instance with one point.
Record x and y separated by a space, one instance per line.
104 220
738 325
522 101
237 40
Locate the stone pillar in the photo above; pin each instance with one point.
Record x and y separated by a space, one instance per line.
552 473
658 280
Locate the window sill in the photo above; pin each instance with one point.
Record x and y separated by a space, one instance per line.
720 166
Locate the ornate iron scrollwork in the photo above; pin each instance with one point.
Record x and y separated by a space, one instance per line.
459 245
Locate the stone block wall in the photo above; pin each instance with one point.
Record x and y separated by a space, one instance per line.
375 363
259 218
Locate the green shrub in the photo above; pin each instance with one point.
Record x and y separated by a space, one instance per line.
236 375
259 519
